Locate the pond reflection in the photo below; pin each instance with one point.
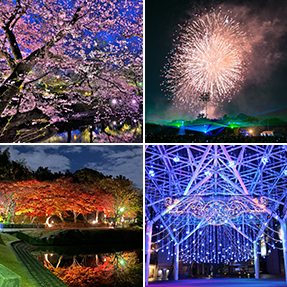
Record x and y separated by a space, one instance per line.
104 269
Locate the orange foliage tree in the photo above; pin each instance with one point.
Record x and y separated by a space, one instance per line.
34 198
84 199
7 204
125 199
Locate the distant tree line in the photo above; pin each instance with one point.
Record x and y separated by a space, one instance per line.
272 121
18 170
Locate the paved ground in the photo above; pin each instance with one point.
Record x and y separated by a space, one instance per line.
221 282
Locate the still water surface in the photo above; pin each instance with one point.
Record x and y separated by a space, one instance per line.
87 269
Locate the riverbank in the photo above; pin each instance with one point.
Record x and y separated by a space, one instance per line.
9 260
70 241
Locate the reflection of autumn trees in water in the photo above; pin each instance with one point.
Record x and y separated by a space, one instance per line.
117 269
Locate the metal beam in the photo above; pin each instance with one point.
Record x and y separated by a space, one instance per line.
235 171
256 260
176 261
148 249
284 243
196 172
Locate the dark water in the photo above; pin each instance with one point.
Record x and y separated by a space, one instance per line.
87 136
86 267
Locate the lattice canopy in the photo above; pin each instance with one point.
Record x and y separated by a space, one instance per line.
215 200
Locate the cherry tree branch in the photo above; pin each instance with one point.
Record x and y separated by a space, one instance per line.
13 43
9 33
11 85
38 78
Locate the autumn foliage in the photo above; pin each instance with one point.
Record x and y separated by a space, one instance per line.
107 271
61 197
84 276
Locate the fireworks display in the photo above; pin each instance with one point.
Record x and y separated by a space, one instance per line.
209 57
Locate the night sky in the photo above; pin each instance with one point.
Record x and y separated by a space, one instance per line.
263 93
112 160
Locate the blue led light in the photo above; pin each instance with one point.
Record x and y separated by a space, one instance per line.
176 159
151 173
207 173
231 163
264 160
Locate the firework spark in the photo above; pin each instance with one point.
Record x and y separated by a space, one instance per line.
209 57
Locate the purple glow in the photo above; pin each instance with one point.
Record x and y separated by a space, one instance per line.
210 201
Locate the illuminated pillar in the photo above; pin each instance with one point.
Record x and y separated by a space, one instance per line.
284 243
176 261
256 260
148 250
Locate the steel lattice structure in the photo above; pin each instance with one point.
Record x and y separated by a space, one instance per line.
233 193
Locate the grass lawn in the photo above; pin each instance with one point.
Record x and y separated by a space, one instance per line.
9 260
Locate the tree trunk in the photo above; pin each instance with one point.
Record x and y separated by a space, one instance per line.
25 216
97 260
8 217
59 261
91 134
61 217
33 218
76 214
69 136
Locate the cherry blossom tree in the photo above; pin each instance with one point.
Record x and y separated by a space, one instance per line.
68 61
